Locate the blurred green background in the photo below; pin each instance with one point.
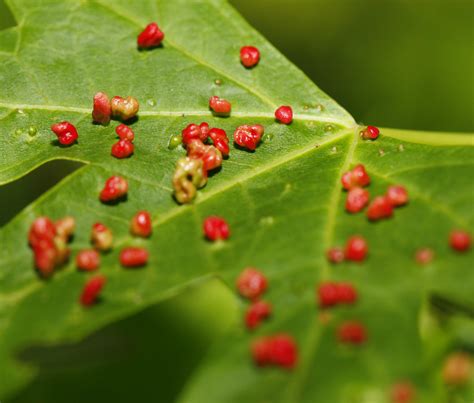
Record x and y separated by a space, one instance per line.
393 63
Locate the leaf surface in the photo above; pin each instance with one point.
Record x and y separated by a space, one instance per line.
284 202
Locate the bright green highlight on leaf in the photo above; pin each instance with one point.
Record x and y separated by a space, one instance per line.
284 203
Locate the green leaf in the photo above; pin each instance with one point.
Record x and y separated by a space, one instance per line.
284 203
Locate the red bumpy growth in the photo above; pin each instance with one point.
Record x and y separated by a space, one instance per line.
402 392
357 199
216 228
140 225
88 260
424 256
91 290
195 132
356 248
66 132
379 208
251 283
101 237
122 149
248 136
370 133
335 255
397 195
357 177
284 114
249 56
330 294
220 106
133 257
257 312
125 132
115 187
220 140
460 240
352 332
102 110
150 37
279 350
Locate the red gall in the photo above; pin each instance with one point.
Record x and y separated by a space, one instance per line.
66 133
122 149
251 283
249 56
91 290
357 177
125 132
460 240
277 350
356 248
256 313
397 195
370 133
133 257
424 256
150 37
101 237
115 188
195 132
248 136
352 332
210 155
102 110
357 199
402 392
284 114
140 224
88 260
216 228
220 106
335 255
379 208
220 140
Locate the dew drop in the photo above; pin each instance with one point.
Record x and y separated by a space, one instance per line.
319 108
381 152
334 150
20 111
217 82
401 148
18 132
151 102
268 137
32 130
328 128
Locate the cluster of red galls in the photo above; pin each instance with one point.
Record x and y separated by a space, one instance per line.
103 110
358 198
49 240
278 349
210 146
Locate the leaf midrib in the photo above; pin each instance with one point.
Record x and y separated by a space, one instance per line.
250 115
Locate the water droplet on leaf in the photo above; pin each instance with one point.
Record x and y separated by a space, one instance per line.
151 102
267 137
32 130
